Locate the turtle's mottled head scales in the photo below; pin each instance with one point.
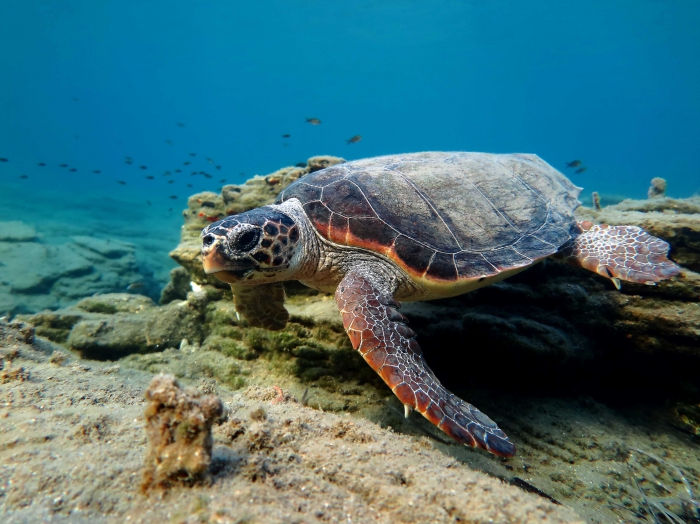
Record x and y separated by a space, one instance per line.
255 245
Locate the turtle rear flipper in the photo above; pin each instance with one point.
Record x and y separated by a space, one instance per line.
621 253
262 306
379 332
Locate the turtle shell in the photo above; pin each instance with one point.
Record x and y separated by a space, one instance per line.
443 217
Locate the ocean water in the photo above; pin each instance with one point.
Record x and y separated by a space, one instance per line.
88 84
125 93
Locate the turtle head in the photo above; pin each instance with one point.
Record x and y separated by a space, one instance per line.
257 245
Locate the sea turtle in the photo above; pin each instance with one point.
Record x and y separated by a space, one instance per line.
417 226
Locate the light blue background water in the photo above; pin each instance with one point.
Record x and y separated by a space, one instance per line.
614 83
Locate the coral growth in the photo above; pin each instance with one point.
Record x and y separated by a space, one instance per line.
178 425
657 188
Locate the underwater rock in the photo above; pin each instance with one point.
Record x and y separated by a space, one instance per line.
316 163
111 326
16 231
657 188
178 425
36 276
177 287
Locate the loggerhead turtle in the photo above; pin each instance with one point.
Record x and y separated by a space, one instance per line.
417 226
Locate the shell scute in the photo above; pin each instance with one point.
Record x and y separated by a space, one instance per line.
320 215
371 233
403 207
507 257
474 265
345 198
413 254
442 267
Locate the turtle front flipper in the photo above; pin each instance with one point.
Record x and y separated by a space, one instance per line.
621 253
262 306
379 332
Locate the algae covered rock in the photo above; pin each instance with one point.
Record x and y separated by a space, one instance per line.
115 325
177 287
178 425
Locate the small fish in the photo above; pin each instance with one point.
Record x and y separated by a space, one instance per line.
42 164
170 209
149 177
207 175
171 181
189 185
173 197
218 167
286 136
354 140
3 160
149 202
178 170
193 154
135 285
167 173
313 121
97 171
194 173
210 161
168 142
202 172
121 182
186 163
143 167
579 171
128 159
63 165
128 162
573 163
72 170
24 176
301 164
180 124
222 181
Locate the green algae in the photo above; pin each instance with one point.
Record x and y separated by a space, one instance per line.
191 365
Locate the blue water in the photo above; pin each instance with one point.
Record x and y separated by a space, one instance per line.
86 83
90 83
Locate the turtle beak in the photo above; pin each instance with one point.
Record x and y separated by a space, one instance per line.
216 263
212 262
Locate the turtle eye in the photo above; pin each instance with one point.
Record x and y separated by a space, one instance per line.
208 240
247 240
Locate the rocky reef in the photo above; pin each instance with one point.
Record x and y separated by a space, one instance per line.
36 275
584 378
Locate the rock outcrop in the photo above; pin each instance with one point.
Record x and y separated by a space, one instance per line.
35 275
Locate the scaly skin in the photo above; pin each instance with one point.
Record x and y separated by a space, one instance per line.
379 332
621 253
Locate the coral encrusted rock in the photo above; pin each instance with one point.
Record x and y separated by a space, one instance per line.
178 425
